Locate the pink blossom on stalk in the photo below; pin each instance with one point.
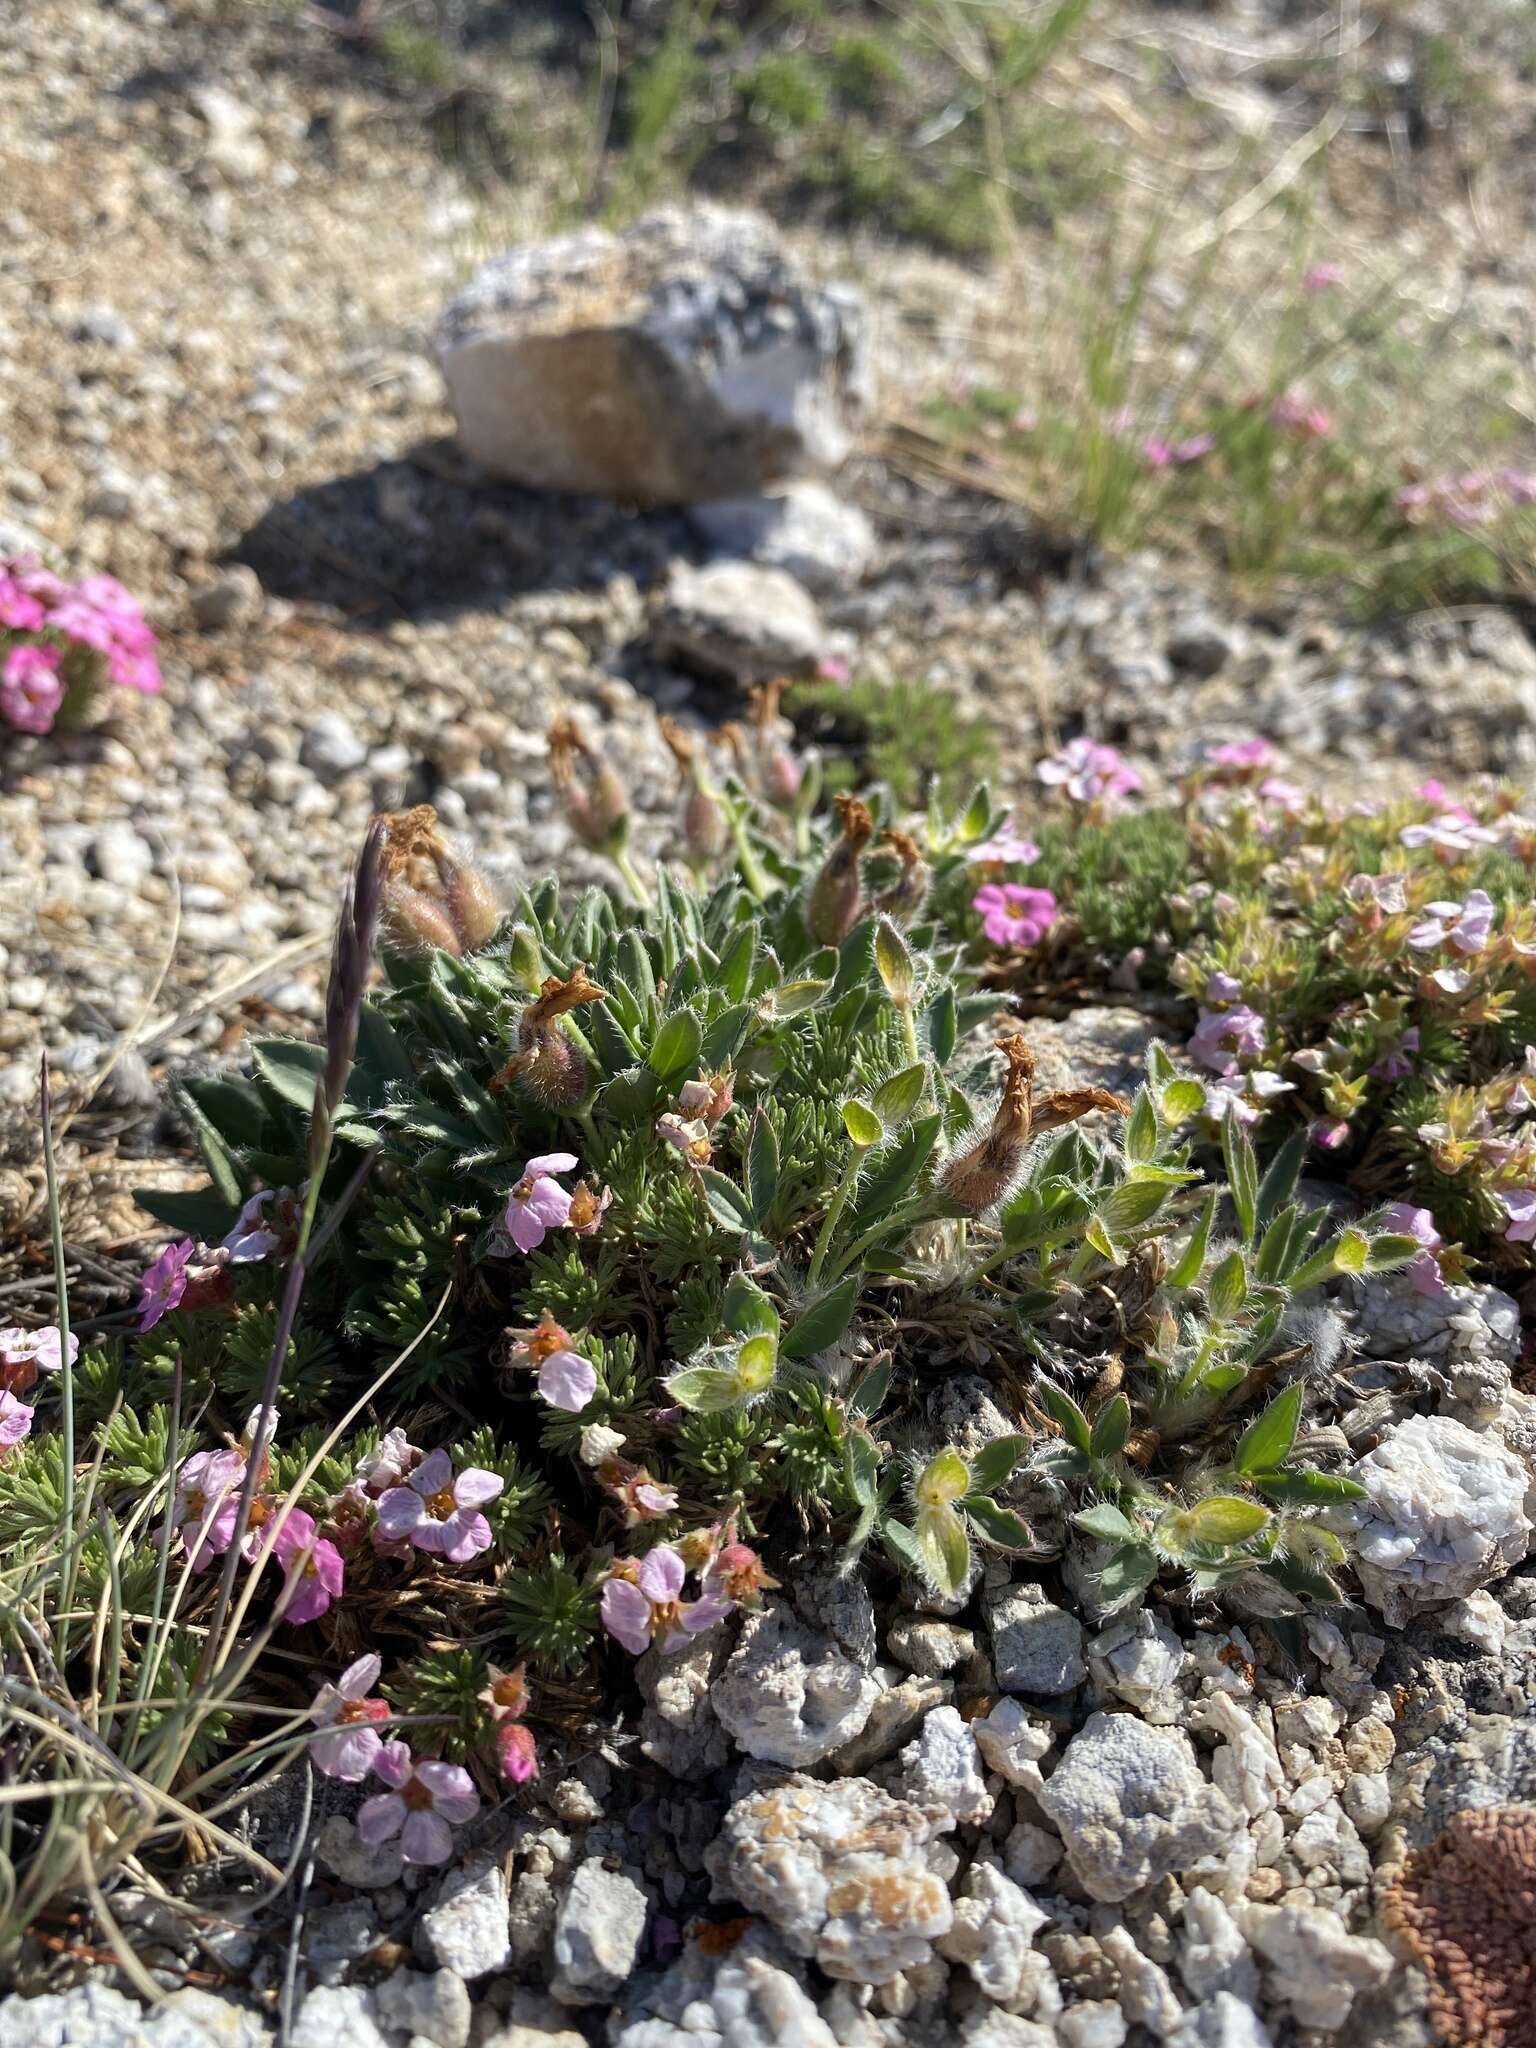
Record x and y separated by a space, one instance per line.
1466 926
207 1502
1322 277
1006 848
1222 988
1089 773
1246 754
1228 1096
1194 448
164 1283
1295 412
20 609
1013 915
389 1464
538 1204
1330 1132
648 1606
320 1570
1276 790
1519 1206
425 1803
346 1709
1222 1037
31 689
1423 1272
517 1756
439 1513
249 1239
587 1210
1156 452
26 1353
644 1501
1395 1062
1451 832
566 1379
15 1420
831 668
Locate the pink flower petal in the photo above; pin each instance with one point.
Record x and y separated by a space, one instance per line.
426 1838
380 1817
568 1381
662 1574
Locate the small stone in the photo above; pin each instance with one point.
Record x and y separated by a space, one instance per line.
788 1695
894 1719
734 622
1096 2023
1368 1802
942 1769
331 2015
1012 1741
1030 1854
930 1648
235 600
804 529
1315 1967
1199 647
598 1930
368 1865
1446 1515
1220 2022
1146 1996
1133 1806
1037 1647
679 1728
331 749
466 1930
1213 1954
1141 1660
437 2007
119 855
1479 1620
995 1924
337 1936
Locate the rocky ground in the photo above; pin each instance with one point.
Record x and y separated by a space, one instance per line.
219 274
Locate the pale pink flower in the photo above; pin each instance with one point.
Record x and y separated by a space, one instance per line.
349 1751
1424 1274
31 689
1330 1133
389 1464
26 1353
1222 988
317 1563
1013 915
1451 832
1228 1095
19 608
517 1756
1289 795
1156 452
1194 448
1466 926
1089 773
164 1283
15 1420
1520 1207
1322 277
566 1379
1222 1037
207 1502
538 1204
249 1239
650 1608
1006 848
439 1513
1395 1062
1245 755
831 668
426 1802
1295 412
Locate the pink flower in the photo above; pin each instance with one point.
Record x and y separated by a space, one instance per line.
517 1757
1295 412
207 1502
538 1203
427 1802
831 668
1222 988
1228 1096
588 1208
1222 1037
1466 926
1276 790
249 1240
566 1379
1329 1133
387 1467
349 1752
164 1283
1520 1207
1424 1272
1322 277
15 1420
1155 452
31 690
19 608
1193 449
1004 849
26 1353
1242 754
1395 1062
1452 832
317 1563
438 1513
649 1606
1012 915
1089 773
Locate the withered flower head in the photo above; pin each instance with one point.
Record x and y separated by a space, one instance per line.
837 894
547 1065
705 830
595 804
978 1178
431 898
906 896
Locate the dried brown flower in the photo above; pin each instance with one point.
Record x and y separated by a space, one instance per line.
837 894
431 897
980 1177
548 1065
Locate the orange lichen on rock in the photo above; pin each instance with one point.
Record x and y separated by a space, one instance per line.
1466 1906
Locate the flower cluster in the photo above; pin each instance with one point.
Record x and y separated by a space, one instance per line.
643 1604
59 639
1090 774
1470 499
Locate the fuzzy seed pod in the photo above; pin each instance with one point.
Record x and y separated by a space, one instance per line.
837 894
983 1175
548 1066
413 923
432 899
596 806
903 901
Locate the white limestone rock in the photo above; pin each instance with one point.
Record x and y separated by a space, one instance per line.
1132 1806
1012 1741
93 2015
1030 1854
942 1768
788 1695
1445 1516
1096 2023
803 529
1213 1952
432 2008
467 1929
994 1928
735 622
848 1875
1037 1647
1315 1967
1221 2022
1146 1996
1141 1660
1247 1763
685 359
598 1930
679 1728
347 2012
751 1997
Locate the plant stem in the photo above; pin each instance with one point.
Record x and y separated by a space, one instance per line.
746 854
70 1560
631 877
909 1029
835 1209
915 1211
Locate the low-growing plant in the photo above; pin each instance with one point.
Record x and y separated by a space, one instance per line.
62 643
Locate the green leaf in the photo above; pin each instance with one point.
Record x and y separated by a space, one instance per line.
724 1038
945 1548
1130 1205
863 1467
1352 1251
195 1212
1308 1489
1129 1572
904 1550
1065 1412
675 1049
1266 1442
1111 1427
222 1168
762 1167
823 1321
1107 1523
867 1397
894 964
894 1169
978 816
727 1204
756 1361
1224 1518
290 1068
896 1098
1242 1173
747 1311
1385 1254
1141 1129
1100 1241
1191 1261
1228 1288
864 1128
1181 1100
704 1389
941 1021
996 1462
794 998
1279 1182
737 961
997 1525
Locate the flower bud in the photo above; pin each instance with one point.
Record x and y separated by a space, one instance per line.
705 829
413 923
595 803
837 894
904 900
548 1066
